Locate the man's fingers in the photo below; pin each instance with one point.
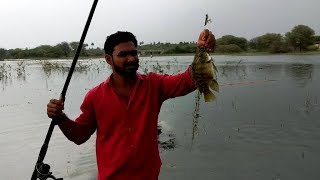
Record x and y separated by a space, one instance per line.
52 109
55 106
203 37
56 101
210 42
204 34
206 39
53 112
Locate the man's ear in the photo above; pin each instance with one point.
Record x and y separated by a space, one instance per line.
108 59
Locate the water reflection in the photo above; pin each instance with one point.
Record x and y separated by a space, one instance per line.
301 73
268 70
232 69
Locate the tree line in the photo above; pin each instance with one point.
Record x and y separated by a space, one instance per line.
61 50
300 39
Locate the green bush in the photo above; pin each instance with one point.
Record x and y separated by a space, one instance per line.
230 48
3 54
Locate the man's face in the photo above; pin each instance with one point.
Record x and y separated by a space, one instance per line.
125 59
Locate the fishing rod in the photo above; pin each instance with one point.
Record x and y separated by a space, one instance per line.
41 170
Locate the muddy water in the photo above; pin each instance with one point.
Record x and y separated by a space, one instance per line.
264 125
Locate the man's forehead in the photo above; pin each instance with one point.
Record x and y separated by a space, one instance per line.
125 46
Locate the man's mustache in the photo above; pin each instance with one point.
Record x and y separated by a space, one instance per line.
131 63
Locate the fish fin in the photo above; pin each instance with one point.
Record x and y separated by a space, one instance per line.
214 67
214 85
209 96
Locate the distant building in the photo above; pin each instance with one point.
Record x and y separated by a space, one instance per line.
317 44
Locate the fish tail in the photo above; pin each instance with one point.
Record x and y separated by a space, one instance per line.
208 96
214 85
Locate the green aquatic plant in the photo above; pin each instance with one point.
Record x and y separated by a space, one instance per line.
158 68
21 72
196 114
155 66
233 68
5 71
5 74
82 66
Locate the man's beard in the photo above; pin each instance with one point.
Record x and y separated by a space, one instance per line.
128 70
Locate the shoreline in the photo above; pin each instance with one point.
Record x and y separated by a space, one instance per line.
184 54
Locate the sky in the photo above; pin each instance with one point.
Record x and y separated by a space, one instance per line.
31 23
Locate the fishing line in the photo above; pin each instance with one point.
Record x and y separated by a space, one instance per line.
196 112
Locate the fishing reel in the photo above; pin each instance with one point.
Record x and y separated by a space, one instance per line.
43 172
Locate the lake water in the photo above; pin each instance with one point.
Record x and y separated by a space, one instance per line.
265 124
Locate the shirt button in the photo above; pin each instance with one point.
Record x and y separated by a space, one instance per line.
129 129
131 146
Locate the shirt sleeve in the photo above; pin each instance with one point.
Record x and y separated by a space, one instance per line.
80 130
176 85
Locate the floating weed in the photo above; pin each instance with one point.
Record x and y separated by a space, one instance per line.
196 115
5 71
168 66
234 104
233 68
49 66
5 74
21 72
310 105
307 103
157 67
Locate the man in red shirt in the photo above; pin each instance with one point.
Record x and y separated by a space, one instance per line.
124 109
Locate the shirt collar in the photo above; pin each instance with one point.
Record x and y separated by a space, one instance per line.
109 82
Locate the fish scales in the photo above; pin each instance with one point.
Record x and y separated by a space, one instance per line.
204 72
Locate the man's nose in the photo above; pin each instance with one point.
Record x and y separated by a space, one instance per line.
131 57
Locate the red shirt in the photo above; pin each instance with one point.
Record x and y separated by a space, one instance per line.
127 135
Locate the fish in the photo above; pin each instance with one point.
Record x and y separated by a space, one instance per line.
204 72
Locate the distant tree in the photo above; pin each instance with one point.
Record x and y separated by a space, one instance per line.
230 39
252 44
316 39
95 52
41 51
3 54
74 47
65 48
14 53
92 45
230 48
55 52
300 37
270 42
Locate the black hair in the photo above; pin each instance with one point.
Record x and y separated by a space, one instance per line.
117 38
